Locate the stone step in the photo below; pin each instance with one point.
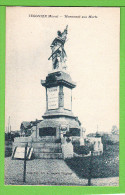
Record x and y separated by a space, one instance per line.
48 155
48 145
41 147
47 150
48 139
37 144
21 144
22 139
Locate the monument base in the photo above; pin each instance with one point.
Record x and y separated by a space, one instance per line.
47 140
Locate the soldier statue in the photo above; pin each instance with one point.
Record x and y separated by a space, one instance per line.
58 53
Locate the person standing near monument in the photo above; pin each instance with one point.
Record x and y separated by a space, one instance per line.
58 53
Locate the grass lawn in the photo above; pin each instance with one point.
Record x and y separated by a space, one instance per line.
106 165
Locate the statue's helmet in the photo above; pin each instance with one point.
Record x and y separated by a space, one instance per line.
59 33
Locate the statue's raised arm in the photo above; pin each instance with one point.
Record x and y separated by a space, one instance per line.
58 55
64 33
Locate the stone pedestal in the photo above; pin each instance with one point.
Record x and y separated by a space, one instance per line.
58 118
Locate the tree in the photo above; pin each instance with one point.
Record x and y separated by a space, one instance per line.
115 130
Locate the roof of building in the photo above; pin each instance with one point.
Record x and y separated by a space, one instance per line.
29 124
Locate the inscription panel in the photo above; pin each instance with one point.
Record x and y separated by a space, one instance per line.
53 97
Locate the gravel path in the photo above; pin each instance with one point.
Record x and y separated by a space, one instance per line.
47 172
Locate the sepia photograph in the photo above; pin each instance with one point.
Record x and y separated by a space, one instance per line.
62 96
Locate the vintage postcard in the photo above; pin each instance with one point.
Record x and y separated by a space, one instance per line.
62 96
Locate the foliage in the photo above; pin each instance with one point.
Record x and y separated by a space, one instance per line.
81 150
8 151
8 148
87 142
110 139
115 130
76 143
10 136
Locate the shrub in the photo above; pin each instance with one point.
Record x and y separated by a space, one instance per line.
8 150
76 143
110 139
81 150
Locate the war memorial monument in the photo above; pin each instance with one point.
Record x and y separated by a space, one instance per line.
53 136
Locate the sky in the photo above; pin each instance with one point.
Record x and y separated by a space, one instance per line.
92 51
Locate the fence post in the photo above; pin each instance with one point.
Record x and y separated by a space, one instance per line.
25 158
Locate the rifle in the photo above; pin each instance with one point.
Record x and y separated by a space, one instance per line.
54 52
